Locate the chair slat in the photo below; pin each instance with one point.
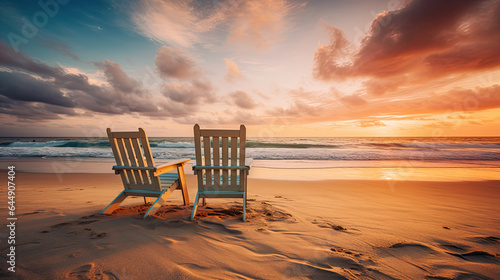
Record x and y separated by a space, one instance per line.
140 160
225 159
133 159
234 160
118 158
125 160
149 158
199 159
208 159
216 162
243 141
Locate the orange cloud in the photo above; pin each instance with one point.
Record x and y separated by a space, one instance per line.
424 40
168 21
369 123
242 99
233 74
256 24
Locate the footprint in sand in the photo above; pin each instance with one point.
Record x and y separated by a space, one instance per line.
95 235
81 272
89 271
75 255
323 224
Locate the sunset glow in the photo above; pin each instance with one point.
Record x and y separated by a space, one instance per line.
283 68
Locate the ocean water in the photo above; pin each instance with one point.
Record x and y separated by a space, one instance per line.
300 152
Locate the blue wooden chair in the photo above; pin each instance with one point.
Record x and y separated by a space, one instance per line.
220 165
135 164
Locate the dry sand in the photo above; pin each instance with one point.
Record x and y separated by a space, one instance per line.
339 229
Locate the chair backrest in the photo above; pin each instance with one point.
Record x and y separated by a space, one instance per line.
131 149
220 148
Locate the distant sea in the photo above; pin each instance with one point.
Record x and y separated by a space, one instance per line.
300 152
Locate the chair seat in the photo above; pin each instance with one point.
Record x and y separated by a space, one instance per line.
168 179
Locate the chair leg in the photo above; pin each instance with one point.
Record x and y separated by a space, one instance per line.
182 181
195 206
244 206
159 201
114 204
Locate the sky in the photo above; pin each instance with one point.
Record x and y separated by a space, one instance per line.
346 68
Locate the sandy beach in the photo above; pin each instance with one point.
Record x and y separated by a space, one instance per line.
329 229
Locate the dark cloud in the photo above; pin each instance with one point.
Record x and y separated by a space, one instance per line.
242 99
173 63
17 60
23 87
49 91
424 40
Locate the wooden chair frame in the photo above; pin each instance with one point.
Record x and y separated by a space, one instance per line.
220 165
139 175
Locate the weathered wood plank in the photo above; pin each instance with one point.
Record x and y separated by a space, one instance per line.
234 159
149 158
208 159
140 160
225 160
117 156
199 158
216 160
125 160
133 160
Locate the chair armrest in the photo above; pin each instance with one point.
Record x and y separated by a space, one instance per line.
118 168
248 164
220 167
157 170
169 166
201 167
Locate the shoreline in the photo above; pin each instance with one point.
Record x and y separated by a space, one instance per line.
388 171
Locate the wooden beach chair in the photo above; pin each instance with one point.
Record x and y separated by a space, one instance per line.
135 164
220 165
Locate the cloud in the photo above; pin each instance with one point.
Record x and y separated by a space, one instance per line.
243 100
60 47
116 76
330 60
353 100
173 63
17 60
28 84
257 24
233 74
194 93
23 87
169 21
370 123
424 40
